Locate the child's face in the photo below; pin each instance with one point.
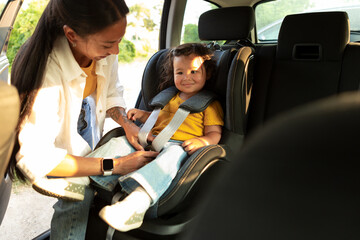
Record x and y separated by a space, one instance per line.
189 75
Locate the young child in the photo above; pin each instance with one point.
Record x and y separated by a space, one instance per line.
188 67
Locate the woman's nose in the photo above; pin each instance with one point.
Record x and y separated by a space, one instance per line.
115 49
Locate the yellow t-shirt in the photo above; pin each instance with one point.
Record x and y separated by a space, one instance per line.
194 124
91 80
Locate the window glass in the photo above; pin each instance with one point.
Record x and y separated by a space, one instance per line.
269 15
140 42
2 5
193 10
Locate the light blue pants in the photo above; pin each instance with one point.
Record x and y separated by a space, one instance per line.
155 177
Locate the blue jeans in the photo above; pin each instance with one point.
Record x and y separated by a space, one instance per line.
86 126
70 218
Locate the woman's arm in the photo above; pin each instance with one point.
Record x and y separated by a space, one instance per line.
212 135
75 166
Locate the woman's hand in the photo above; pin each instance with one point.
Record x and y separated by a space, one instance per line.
133 161
137 114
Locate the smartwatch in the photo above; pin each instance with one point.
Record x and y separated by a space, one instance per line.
107 166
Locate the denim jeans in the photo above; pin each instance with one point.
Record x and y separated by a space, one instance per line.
70 218
86 126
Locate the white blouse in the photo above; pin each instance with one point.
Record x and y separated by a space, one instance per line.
50 132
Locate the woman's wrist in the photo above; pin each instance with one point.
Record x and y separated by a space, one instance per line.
117 165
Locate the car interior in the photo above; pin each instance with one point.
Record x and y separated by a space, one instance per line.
286 165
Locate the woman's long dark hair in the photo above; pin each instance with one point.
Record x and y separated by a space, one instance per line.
186 49
85 17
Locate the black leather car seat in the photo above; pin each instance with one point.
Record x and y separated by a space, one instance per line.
297 177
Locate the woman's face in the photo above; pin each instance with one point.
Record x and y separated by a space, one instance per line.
99 45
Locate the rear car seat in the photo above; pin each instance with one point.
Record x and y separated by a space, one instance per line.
309 63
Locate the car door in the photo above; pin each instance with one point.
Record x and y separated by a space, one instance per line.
9 10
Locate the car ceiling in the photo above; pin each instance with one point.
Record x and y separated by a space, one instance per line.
231 3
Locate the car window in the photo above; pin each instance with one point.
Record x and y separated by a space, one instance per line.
140 42
269 15
2 5
193 10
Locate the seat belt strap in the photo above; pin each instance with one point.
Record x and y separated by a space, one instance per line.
197 103
110 232
148 125
165 135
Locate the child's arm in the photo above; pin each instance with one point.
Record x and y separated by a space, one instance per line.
137 114
212 135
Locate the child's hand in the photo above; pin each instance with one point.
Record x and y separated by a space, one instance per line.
137 114
192 145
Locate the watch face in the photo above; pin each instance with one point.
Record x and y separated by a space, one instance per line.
108 164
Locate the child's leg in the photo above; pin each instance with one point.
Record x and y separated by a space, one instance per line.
156 176
145 186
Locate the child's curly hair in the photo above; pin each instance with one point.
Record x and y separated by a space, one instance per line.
199 49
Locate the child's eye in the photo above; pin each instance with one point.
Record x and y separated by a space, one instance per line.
193 71
106 47
178 73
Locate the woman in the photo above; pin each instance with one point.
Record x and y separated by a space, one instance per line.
66 75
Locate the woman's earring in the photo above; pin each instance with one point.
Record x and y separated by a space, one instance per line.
73 44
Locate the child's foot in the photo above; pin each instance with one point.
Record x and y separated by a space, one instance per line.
60 188
127 214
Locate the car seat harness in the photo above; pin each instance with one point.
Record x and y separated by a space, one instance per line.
195 104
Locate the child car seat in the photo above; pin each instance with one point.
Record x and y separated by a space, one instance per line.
174 210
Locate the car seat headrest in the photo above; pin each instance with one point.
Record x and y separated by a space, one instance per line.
313 36
232 23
